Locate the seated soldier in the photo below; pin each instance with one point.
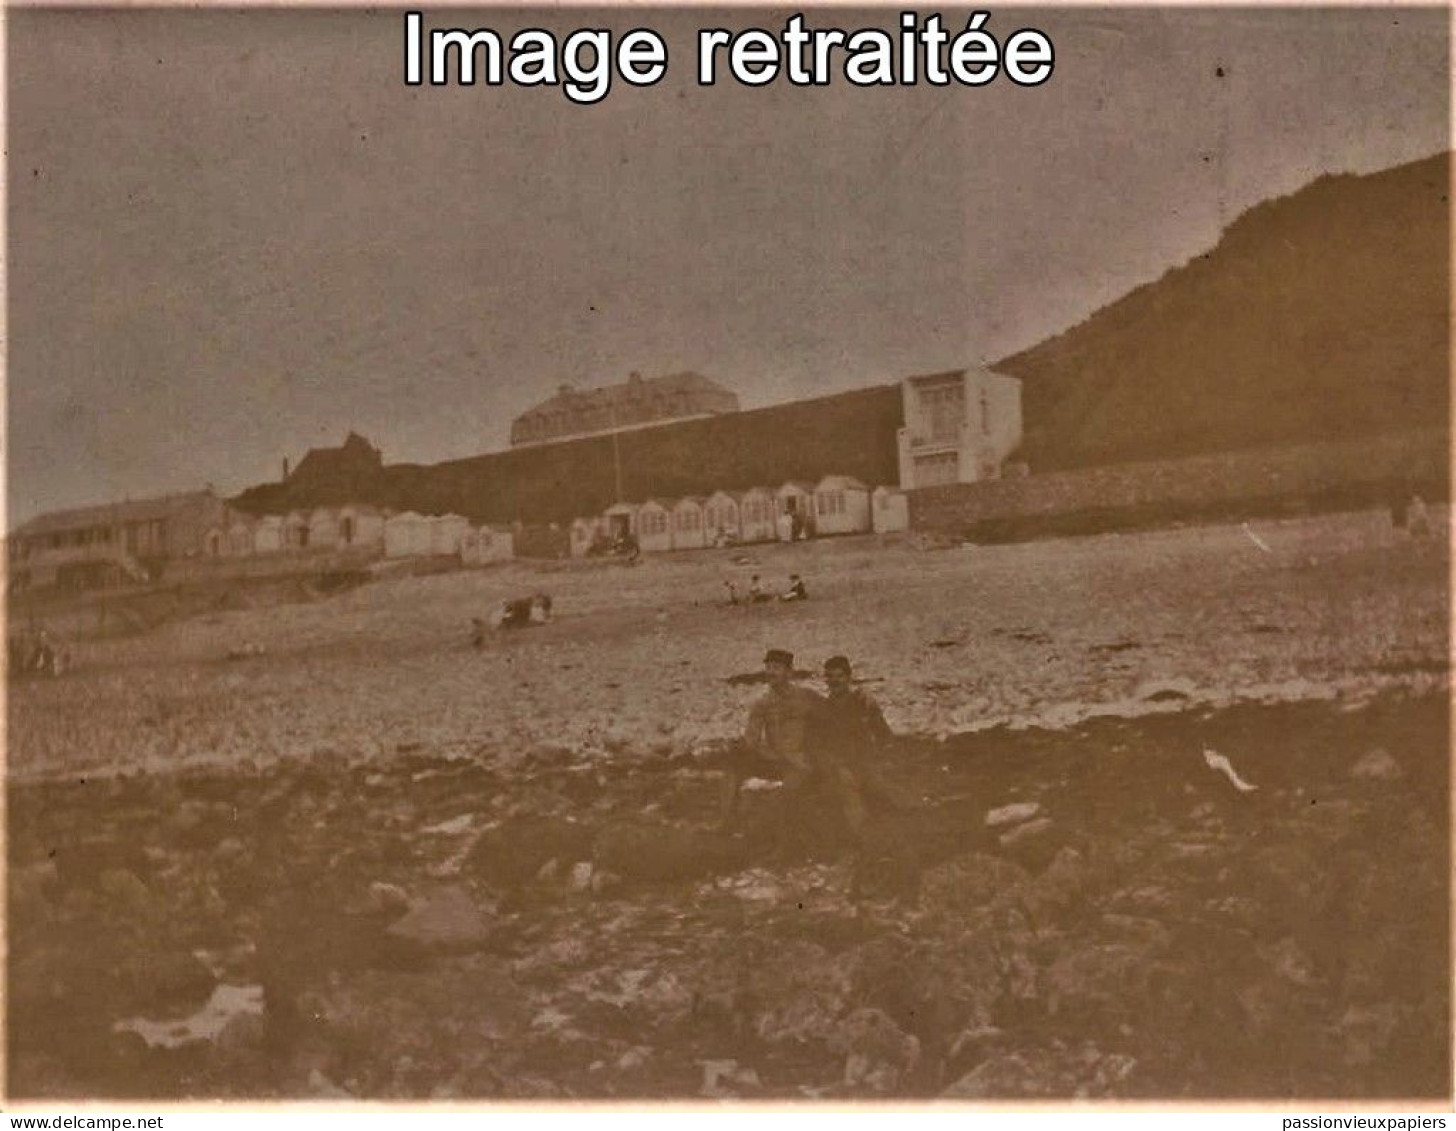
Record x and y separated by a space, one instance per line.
796 590
851 735
775 742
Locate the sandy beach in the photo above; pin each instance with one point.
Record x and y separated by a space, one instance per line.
362 858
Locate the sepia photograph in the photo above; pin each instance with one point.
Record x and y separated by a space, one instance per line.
728 554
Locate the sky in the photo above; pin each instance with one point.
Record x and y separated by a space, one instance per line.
233 236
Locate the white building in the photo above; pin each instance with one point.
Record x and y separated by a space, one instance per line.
890 510
361 527
241 532
406 535
295 531
654 526
268 535
482 545
796 502
757 515
323 529
721 518
959 427
621 519
841 506
688 532
447 532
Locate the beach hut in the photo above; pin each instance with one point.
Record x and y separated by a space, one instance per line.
654 526
585 533
323 529
687 524
841 506
796 500
406 535
621 520
268 535
295 531
240 536
721 518
757 514
890 510
482 545
447 531
496 544
360 527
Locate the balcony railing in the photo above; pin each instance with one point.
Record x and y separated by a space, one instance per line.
937 438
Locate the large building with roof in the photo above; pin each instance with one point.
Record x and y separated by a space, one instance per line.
638 402
334 476
115 542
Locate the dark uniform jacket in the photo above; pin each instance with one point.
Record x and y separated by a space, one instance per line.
850 728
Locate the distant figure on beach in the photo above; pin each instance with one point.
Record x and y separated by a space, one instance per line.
514 612
796 590
35 652
732 592
755 591
787 530
625 545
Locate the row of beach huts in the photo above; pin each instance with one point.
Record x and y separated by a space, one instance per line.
360 528
837 504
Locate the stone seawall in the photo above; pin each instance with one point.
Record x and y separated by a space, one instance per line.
1282 480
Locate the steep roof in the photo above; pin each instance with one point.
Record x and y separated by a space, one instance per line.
355 450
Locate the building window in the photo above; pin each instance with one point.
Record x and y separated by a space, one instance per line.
944 409
831 502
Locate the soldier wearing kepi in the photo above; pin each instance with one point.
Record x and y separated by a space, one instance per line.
776 740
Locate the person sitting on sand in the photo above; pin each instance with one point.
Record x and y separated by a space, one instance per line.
851 735
796 590
517 612
775 741
755 591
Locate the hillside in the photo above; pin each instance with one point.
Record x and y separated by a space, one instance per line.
1320 315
